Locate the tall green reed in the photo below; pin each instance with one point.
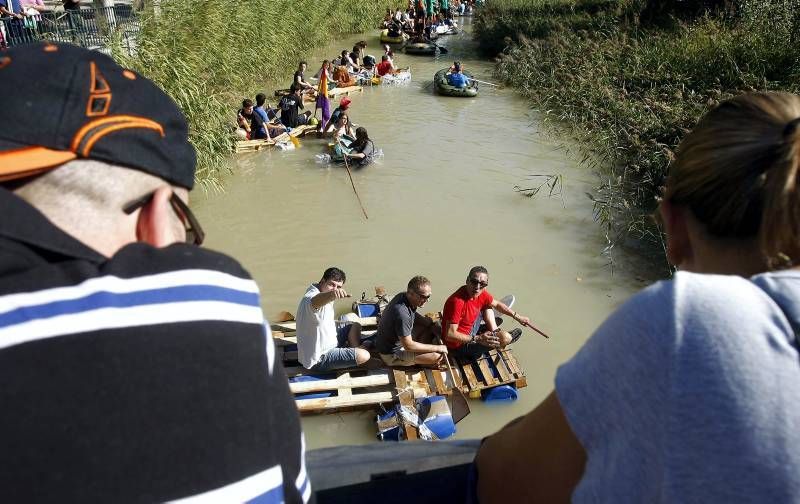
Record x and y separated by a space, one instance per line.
630 90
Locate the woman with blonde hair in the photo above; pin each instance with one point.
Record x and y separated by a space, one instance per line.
690 391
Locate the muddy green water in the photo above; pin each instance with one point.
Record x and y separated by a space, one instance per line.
441 200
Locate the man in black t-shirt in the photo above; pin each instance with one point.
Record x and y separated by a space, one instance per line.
250 121
289 105
300 78
400 323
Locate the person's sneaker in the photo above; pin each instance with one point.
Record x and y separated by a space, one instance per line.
515 334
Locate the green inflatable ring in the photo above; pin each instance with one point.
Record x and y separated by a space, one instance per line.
386 39
443 87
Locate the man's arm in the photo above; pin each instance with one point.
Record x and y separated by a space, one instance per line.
502 308
488 338
536 458
417 347
324 298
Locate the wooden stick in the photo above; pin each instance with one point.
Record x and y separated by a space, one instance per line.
537 330
346 165
484 82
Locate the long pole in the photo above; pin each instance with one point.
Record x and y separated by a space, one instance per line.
484 82
347 165
463 403
537 330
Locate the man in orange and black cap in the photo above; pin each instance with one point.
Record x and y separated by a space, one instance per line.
134 366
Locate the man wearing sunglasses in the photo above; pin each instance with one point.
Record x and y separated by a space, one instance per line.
134 366
400 323
463 313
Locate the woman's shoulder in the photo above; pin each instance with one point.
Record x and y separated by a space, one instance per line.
707 304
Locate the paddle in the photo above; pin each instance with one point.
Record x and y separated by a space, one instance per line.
347 165
459 407
295 141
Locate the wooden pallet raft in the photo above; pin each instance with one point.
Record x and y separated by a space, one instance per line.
264 143
343 91
429 382
498 367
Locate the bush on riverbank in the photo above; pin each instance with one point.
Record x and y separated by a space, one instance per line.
631 90
209 55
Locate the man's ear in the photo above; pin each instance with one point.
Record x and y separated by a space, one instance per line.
679 246
155 224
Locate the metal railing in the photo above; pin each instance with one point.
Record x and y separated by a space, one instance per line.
90 28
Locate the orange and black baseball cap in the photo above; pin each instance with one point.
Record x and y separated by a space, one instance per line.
61 102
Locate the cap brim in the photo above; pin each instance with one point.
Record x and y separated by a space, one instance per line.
27 161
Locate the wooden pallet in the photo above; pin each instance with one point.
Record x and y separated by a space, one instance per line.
498 367
342 91
356 389
264 143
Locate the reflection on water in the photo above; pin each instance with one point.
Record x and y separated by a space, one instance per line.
440 201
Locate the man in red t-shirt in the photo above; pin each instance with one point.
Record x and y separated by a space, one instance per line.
463 312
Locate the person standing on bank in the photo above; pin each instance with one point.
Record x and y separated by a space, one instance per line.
463 313
135 365
400 323
689 391
320 346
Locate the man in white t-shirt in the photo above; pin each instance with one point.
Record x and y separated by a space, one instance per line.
321 346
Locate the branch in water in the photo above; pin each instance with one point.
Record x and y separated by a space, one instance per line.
553 183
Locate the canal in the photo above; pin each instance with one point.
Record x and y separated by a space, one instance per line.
439 201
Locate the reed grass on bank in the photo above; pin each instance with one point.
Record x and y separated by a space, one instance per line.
631 90
208 55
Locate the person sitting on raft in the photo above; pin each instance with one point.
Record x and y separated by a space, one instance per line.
356 55
320 345
343 130
344 104
463 313
385 66
456 78
342 77
394 30
401 329
269 116
362 149
345 61
300 79
369 63
250 123
289 106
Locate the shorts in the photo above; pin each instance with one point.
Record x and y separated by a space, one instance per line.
339 357
336 358
399 358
